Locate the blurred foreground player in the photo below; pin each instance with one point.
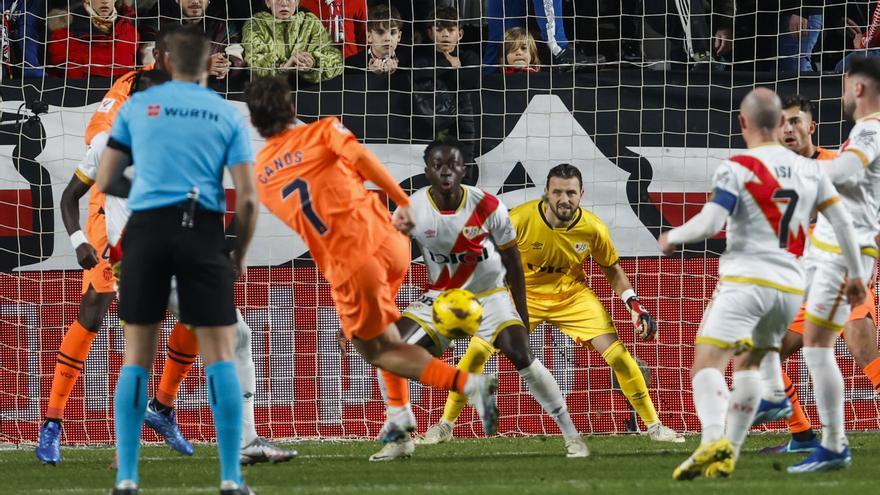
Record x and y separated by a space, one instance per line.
181 138
555 236
859 331
312 178
766 197
468 242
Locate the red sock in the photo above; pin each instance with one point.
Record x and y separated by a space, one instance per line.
69 363
441 375
872 371
182 351
396 388
798 422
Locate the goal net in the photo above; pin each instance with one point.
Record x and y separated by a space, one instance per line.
646 120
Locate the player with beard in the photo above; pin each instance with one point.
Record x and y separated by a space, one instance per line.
859 331
555 236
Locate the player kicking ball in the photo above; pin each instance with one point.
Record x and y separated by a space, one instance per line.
312 178
859 330
766 196
468 242
554 237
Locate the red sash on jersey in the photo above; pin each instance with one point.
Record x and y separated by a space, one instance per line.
470 239
763 191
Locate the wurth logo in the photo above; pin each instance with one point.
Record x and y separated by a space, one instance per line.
153 110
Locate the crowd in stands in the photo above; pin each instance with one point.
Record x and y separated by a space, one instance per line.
429 55
317 39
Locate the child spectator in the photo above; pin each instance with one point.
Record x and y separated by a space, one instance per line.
344 19
381 56
444 77
99 41
288 39
520 52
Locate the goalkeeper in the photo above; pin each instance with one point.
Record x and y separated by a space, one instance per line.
555 236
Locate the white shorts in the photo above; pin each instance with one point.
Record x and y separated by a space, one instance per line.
826 276
499 312
742 316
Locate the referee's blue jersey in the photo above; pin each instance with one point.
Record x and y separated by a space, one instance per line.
180 135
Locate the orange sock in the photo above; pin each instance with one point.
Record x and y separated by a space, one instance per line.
68 366
441 375
872 371
396 388
182 351
798 422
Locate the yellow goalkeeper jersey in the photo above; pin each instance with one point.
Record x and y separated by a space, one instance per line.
553 258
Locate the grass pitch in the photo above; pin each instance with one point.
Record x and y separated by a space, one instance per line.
509 466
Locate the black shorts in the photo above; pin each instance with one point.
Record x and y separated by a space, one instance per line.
155 248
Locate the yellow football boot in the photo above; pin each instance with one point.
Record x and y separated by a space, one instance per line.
705 455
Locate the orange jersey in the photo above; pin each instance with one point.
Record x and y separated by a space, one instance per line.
116 96
824 154
312 178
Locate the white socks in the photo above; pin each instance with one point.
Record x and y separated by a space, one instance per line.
711 397
828 387
771 377
545 390
244 368
744 401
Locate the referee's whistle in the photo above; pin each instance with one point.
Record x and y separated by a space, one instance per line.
189 215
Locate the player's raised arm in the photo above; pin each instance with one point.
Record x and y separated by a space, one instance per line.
710 220
364 161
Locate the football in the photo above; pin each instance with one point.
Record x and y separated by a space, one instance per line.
457 313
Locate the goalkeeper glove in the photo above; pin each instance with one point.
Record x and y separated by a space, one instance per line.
646 326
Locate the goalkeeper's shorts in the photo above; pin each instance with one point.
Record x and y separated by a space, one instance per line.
499 312
826 275
100 277
578 313
743 315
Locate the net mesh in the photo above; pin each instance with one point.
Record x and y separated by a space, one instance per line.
647 124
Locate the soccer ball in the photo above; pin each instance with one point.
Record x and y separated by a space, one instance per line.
457 314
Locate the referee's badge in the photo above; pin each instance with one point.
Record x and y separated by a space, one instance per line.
580 247
470 231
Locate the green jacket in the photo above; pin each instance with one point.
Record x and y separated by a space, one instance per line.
269 42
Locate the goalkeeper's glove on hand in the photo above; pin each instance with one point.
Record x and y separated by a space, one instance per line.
646 327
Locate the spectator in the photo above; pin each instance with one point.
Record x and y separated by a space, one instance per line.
520 52
687 27
98 40
506 14
21 37
381 56
800 24
226 49
443 78
345 20
288 39
865 43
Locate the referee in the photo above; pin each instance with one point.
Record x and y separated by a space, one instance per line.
180 136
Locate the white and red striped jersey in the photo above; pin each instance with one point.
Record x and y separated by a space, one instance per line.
460 247
861 191
771 193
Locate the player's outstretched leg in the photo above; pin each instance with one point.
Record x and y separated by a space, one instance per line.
182 351
388 352
69 364
254 449
633 386
513 342
474 360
